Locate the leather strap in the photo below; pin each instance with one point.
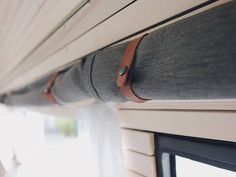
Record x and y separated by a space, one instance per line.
124 76
47 91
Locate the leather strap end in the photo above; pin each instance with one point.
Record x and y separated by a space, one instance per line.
47 91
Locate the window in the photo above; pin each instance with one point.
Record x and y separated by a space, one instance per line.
190 168
179 156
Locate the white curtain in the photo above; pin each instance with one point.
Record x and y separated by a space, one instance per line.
96 152
100 131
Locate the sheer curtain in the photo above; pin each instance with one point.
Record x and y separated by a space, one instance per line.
100 133
96 151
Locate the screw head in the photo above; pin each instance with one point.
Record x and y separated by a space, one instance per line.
122 70
45 90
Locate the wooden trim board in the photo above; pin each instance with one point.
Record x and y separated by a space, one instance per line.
139 141
139 163
227 105
129 173
218 125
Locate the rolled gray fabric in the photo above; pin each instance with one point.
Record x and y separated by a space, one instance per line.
2 98
32 95
70 86
194 58
191 59
31 98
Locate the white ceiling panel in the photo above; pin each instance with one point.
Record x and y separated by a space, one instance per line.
27 23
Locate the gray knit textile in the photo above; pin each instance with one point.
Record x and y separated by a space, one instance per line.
32 95
194 58
191 59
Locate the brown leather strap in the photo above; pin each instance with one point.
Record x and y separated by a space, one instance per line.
47 91
124 77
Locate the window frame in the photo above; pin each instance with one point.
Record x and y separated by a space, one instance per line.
220 154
